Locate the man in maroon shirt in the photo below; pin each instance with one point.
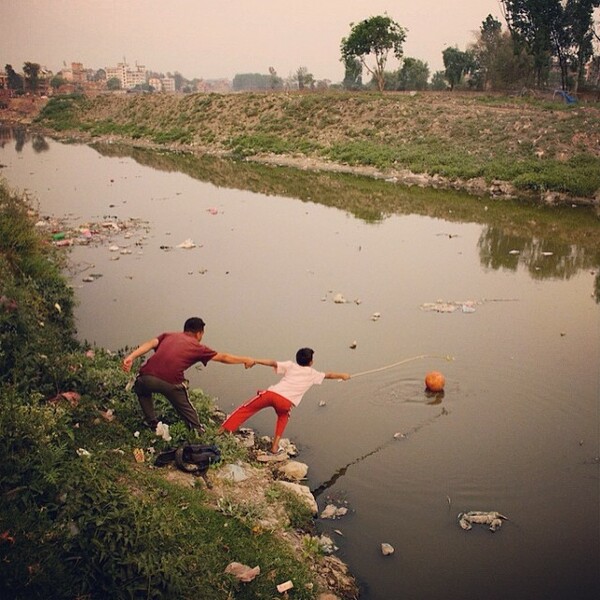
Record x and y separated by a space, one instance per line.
163 372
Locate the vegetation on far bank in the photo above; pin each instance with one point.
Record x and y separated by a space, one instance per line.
537 145
79 518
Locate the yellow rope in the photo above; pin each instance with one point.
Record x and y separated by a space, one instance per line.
406 360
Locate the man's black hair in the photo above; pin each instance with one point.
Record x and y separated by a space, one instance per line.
193 325
304 356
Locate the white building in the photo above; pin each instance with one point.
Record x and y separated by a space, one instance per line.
128 76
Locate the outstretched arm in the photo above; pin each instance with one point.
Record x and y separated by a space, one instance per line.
232 359
139 351
332 375
266 362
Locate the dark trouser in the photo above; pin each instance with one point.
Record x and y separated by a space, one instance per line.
177 395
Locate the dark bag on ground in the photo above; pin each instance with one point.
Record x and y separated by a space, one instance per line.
191 458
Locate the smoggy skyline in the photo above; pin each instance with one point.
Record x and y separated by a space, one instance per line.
211 40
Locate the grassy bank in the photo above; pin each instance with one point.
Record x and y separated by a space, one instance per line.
79 517
537 146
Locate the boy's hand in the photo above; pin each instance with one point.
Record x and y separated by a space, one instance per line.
126 364
248 364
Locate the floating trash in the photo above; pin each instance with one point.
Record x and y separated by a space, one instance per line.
187 244
493 519
387 549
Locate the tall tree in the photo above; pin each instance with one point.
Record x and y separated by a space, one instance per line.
276 81
413 75
457 64
579 19
304 78
352 74
32 75
15 81
535 24
559 28
486 48
374 37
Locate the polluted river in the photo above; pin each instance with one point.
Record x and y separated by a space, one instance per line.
387 284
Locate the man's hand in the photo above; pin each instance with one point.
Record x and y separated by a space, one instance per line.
248 364
126 364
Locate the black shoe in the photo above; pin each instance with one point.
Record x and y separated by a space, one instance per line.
152 425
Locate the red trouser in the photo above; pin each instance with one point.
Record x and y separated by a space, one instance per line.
281 405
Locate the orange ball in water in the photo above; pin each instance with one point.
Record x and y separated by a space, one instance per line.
435 381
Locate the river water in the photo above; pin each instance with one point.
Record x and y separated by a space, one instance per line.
517 428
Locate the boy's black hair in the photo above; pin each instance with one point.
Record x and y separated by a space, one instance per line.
193 325
304 356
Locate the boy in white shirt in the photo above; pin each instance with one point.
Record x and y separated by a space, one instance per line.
298 378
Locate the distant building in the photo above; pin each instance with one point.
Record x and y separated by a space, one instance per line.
128 76
168 84
155 83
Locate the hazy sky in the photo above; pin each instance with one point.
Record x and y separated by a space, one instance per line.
219 38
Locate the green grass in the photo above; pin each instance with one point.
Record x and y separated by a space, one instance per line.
536 144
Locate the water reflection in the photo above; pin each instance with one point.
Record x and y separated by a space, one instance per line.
21 135
550 242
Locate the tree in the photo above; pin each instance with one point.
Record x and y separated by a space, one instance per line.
303 78
559 28
579 18
276 81
99 75
352 74
15 81
377 37
486 48
56 82
457 64
438 81
413 75
114 83
251 81
532 23
32 75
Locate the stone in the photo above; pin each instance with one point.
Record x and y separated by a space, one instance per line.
303 492
387 549
332 512
293 470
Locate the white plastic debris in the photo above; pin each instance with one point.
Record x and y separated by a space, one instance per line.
339 299
187 244
375 316
162 430
83 452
